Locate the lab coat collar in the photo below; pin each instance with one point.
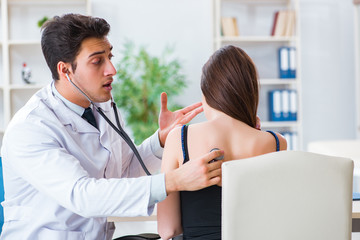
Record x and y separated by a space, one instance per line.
69 117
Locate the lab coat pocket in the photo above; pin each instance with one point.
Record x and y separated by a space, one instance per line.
46 233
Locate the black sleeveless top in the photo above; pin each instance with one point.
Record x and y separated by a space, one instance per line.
201 210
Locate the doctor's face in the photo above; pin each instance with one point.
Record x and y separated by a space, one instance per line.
94 70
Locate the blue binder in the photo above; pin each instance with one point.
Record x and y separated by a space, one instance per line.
292 62
284 68
285 105
293 105
275 105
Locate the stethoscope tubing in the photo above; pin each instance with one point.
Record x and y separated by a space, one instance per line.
117 129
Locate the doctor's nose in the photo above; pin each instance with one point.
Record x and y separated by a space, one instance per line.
110 70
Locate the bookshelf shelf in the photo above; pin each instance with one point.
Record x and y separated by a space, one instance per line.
260 39
23 42
256 31
20 43
26 87
277 81
280 124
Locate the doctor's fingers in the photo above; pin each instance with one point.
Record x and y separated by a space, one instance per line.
190 115
163 100
215 165
190 108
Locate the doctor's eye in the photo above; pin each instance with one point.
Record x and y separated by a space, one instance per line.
97 61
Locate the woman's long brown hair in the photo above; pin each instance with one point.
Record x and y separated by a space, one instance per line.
229 83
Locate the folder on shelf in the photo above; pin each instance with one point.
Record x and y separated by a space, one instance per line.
229 27
293 105
294 141
285 105
283 57
275 105
287 136
292 62
291 139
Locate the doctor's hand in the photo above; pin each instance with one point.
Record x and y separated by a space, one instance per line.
169 120
195 174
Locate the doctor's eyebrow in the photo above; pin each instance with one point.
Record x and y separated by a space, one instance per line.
99 52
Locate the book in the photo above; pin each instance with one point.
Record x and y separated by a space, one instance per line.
274 23
283 23
229 27
280 25
290 23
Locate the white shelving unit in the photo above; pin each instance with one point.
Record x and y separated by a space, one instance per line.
357 62
20 42
255 20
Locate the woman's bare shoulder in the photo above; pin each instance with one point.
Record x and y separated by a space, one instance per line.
267 142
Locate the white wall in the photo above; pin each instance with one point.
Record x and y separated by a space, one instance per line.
327 55
328 69
184 24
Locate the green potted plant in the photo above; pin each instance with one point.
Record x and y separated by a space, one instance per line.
141 78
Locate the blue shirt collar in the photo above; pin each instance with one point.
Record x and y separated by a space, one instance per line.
74 107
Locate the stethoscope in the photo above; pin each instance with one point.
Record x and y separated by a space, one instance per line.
117 129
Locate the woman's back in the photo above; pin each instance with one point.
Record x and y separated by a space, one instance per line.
201 210
229 84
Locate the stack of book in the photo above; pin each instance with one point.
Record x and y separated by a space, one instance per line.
284 23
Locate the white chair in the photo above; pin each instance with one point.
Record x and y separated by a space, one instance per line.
341 148
287 195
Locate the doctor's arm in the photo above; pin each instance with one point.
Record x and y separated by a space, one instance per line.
42 161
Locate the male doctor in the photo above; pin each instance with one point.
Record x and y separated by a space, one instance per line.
64 175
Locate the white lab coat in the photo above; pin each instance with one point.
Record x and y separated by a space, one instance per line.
62 176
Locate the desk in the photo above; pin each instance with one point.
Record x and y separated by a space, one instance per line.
355 217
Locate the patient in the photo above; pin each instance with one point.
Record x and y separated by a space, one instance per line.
230 98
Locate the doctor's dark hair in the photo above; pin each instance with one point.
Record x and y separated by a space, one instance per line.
229 84
62 37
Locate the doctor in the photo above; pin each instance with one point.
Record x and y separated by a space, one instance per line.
63 176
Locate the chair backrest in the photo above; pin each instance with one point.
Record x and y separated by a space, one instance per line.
287 195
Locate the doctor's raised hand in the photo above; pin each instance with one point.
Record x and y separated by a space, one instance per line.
169 120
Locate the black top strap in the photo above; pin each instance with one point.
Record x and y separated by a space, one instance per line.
184 130
277 140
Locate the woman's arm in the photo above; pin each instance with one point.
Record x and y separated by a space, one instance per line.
168 211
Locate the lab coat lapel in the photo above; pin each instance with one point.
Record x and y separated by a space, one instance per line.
105 129
67 116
